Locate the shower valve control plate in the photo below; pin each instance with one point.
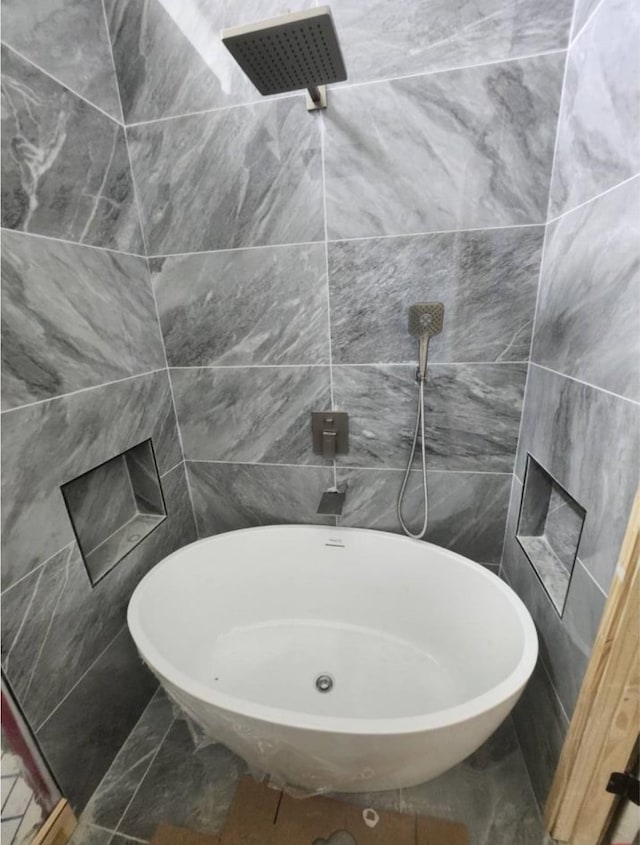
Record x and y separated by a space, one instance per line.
330 432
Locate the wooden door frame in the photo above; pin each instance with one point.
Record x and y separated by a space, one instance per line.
603 732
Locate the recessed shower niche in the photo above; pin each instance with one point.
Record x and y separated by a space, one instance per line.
549 529
114 506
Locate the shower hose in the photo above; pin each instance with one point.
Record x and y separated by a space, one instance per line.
419 429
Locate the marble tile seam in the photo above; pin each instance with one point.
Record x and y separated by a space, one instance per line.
344 366
80 679
586 384
348 467
36 568
602 590
348 240
506 522
343 86
63 84
593 198
556 141
534 800
21 233
115 759
541 658
175 466
83 390
326 259
143 776
574 37
115 833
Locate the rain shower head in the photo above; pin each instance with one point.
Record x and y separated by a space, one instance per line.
426 319
289 53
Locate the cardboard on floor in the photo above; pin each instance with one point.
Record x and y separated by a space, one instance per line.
263 816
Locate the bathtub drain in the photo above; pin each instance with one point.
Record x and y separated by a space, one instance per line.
324 683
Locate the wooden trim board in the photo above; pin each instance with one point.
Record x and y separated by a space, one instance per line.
603 732
58 827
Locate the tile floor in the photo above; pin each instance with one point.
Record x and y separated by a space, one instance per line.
159 776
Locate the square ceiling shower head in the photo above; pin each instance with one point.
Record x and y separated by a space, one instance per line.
289 53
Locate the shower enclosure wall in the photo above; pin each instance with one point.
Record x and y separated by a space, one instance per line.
187 262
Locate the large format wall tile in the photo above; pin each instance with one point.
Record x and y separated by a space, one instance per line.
98 714
589 303
55 624
565 643
454 150
148 46
487 281
231 496
383 39
69 40
65 169
472 414
153 37
241 177
541 727
254 306
599 124
48 444
72 317
250 414
467 511
590 442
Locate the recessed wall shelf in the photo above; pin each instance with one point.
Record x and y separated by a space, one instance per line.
549 529
114 506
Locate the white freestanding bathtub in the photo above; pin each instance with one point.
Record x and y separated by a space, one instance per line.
424 651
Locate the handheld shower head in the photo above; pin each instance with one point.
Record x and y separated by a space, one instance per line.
425 321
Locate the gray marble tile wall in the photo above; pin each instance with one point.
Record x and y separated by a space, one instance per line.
84 377
285 248
581 416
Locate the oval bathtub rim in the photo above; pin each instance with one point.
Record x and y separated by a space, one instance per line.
512 685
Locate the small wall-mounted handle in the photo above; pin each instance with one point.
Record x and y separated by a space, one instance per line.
330 431
329 439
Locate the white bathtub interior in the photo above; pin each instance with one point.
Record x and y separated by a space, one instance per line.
261 628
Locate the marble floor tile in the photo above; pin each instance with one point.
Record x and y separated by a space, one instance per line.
381 39
254 306
47 444
599 123
221 198
111 798
250 414
472 414
588 306
185 786
73 317
65 168
487 281
569 427
454 150
231 496
69 40
54 624
87 834
98 732
467 511
490 792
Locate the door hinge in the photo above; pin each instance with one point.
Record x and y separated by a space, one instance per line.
626 785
